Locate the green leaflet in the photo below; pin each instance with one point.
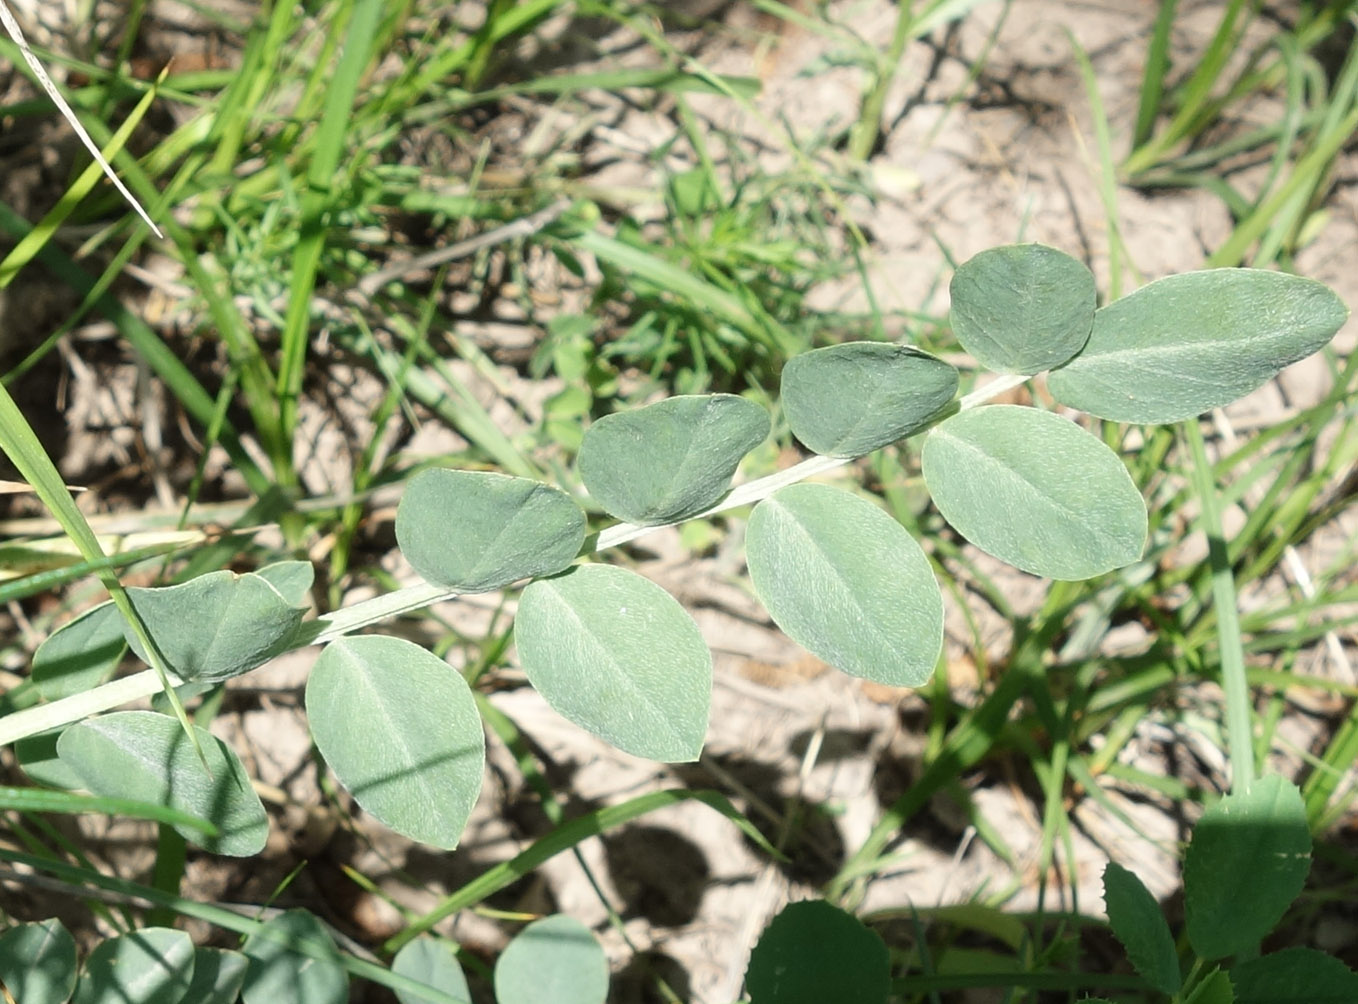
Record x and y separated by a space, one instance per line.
1188 343
399 727
473 531
81 654
1294 976
221 625
146 756
846 582
554 959
432 961
153 965
1023 308
37 962
218 975
1036 491
619 656
848 400
669 460
292 958
813 952
37 755
292 579
1260 833
1139 923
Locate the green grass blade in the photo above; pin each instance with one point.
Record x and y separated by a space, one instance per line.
12 28
1118 255
70 803
1157 68
243 98
320 181
565 837
178 378
46 581
968 742
1239 723
686 285
664 81
20 443
1196 93
37 238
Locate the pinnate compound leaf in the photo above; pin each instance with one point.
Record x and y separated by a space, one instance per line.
216 626
218 976
153 965
475 531
1139 924
617 655
1188 343
81 654
553 959
813 952
848 400
146 756
1022 308
292 958
37 962
432 961
1294 976
399 728
1035 490
669 460
1260 833
846 582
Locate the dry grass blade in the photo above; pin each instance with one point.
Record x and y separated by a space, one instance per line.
12 26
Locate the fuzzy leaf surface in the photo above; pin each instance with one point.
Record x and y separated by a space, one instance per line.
432 961
554 959
147 756
1188 343
669 460
37 755
1139 923
81 654
848 400
618 656
475 531
1022 308
37 962
1260 833
1035 490
292 579
217 625
292 958
153 965
399 727
218 976
814 952
846 582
